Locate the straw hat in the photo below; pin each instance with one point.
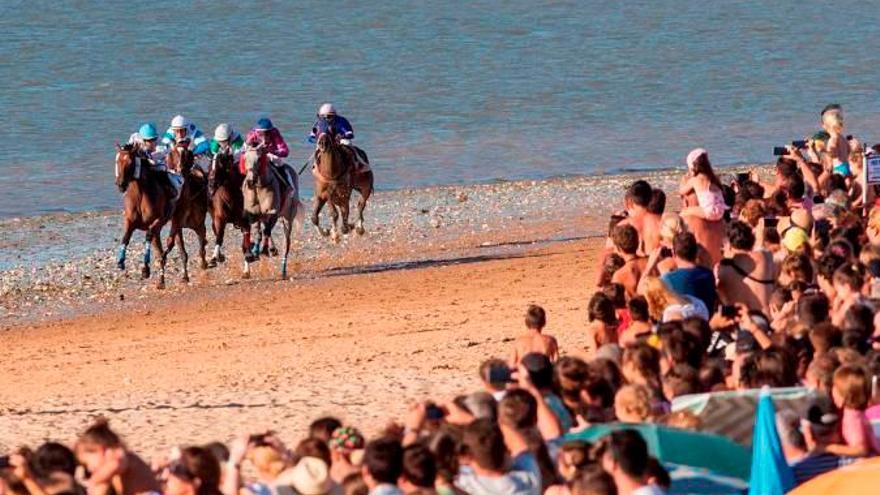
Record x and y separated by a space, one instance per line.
310 476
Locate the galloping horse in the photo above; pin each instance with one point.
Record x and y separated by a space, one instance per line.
146 206
266 200
227 205
335 178
191 209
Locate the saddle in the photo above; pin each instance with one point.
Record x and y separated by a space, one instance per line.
282 176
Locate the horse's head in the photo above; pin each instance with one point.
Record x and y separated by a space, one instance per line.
326 142
126 155
221 168
180 159
252 176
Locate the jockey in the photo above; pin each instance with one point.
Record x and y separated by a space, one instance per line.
182 129
267 135
226 139
329 121
147 138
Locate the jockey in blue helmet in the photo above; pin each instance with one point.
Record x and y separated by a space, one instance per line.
147 139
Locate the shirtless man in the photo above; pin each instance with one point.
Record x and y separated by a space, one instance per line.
533 340
636 202
749 276
626 244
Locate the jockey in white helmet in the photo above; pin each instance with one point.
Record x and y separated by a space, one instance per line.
181 128
335 124
226 138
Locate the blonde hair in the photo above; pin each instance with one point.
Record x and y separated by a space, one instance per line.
659 297
634 399
267 460
833 121
671 224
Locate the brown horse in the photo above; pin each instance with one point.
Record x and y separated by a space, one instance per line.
191 209
332 173
227 205
146 205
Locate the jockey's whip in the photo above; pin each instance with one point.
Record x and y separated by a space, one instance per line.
306 164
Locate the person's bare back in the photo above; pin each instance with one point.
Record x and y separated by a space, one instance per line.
534 341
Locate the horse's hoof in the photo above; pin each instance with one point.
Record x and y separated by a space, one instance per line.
221 258
324 232
273 251
246 275
161 285
186 278
212 263
145 273
203 265
249 257
360 230
120 265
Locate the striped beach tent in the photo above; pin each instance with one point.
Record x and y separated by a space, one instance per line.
732 414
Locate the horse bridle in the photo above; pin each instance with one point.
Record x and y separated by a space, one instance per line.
332 139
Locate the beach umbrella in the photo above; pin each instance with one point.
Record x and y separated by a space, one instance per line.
860 478
713 453
771 474
688 480
732 413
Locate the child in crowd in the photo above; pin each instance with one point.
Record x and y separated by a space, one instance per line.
851 392
533 340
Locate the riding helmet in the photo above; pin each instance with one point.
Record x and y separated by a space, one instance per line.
326 109
264 124
147 132
223 132
179 122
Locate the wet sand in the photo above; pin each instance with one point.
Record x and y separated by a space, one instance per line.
407 312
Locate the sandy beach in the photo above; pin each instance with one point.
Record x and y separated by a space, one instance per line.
359 346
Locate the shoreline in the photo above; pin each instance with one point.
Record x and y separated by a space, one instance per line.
357 345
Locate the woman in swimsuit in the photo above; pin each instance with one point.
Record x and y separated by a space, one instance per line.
702 181
749 276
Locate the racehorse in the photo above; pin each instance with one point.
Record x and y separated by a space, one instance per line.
146 205
268 199
334 179
227 205
191 209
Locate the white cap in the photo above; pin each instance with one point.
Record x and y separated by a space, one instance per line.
326 109
179 122
223 132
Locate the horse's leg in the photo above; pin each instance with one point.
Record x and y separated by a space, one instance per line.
157 243
246 251
344 209
255 247
365 191
184 256
148 254
286 223
334 218
319 204
218 225
202 232
268 248
126 238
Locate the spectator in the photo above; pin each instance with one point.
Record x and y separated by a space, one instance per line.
533 340
625 458
383 464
